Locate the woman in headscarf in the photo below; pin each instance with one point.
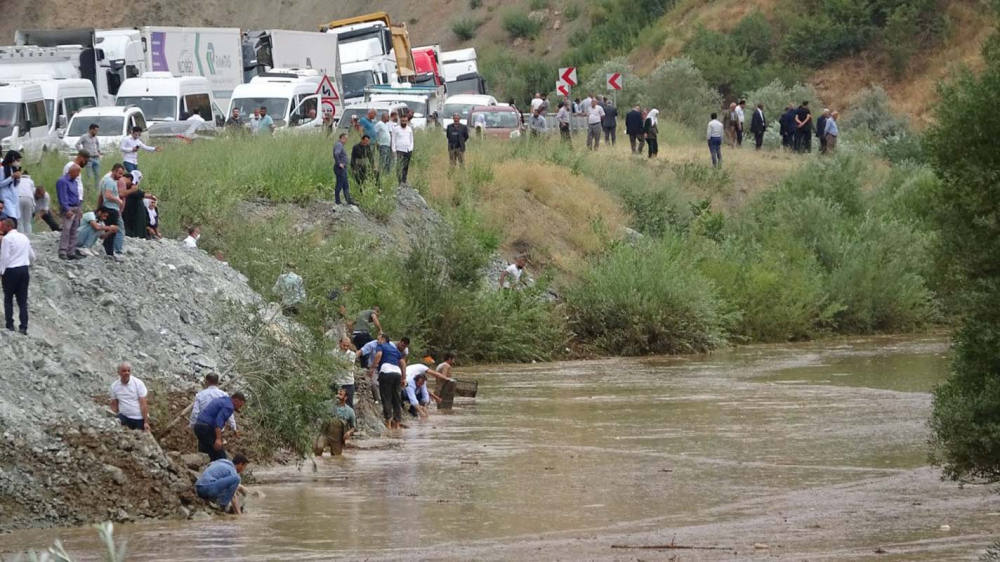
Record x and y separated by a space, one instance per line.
651 128
10 176
134 214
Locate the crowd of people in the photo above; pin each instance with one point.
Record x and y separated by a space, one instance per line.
392 135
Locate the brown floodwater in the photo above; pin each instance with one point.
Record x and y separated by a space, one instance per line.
816 449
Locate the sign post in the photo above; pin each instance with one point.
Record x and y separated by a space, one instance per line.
562 89
568 76
615 81
328 96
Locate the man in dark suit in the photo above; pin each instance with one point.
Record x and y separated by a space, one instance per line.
633 126
820 128
787 121
758 124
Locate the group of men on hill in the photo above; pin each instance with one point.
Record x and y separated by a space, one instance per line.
392 135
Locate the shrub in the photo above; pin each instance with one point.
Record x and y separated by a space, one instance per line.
571 12
647 297
521 25
632 85
465 28
677 89
615 26
775 96
515 77
754 36
872 112
538 5
475 4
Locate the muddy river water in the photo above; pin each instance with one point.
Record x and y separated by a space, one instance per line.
796 452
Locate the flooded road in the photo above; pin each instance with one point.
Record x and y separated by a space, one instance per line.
815 451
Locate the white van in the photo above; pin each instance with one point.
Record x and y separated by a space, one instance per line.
24 125
462 104
288 94
63 98
114 122
165 97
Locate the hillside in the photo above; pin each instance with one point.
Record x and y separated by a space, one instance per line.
564 23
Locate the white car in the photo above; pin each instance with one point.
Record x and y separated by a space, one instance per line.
114 122
462 104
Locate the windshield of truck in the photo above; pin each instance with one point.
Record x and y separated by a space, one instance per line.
155 108
497 119
356 82
111 126
276 108
8 118
459 108
467 86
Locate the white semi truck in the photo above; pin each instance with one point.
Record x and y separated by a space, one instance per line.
461 73
280 51
215 53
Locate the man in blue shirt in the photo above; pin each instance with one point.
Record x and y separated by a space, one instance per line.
221 481
69 206
211 420
340 162
390 359
368 124
832 131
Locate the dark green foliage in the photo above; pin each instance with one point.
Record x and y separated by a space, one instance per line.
616 26
475 4
741 60
571 12
465 28
966 417
515 77
520 25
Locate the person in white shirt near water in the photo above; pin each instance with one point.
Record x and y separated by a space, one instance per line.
402 142
16 257
130 147
510 278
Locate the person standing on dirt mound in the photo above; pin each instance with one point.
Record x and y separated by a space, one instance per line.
16 256
221 483
208 427
210 392
128 399
340 161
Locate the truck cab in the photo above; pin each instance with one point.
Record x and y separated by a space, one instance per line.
165 97
461 72
288 94
427 62
24 124
123 57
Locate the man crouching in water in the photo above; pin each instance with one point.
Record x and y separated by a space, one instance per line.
337 430
221 483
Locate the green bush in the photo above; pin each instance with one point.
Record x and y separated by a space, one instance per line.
677 88
571 12
633 86
515 77
647 297
872 111
776 96
475 4
521 25
465 28
754 36
538 5
615 28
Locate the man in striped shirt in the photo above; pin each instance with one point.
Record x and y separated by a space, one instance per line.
89 142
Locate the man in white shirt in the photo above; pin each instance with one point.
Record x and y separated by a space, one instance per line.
16 256
196 117
416 391
402 141
194 233
130 147
714 134
205 396
128 399
344 378
740 120
26 201
536 102
586 103
510 278
595 116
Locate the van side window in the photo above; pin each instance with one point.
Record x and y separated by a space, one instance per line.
36 114
200 104
114 82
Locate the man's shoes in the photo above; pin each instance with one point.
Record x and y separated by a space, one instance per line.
62 256
79 253
24 331
74 257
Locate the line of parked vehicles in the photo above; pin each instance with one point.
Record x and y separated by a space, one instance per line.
55 83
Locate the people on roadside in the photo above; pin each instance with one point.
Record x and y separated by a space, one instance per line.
457 135
390 361
153 224
212 419
344 378
255 121
340 161
740 121
43 208
112 200
383 138
134 216
362 333
205 396
803 128
714 134
537 124
787 122
10 177
16 257
26 202
233 123
92 145
402 141
831 132
3 215
609 123
130 147
68 196
510 278
821 130
266 124
194 233
577 107
93 227
758 125
479 124
565 120
368 123
362 162
128 399
536 101
595 116
221 483
543 108
651 130
634 129
338 429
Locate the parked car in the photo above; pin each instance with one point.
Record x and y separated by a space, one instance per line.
114 122
498 121
184 131
361 110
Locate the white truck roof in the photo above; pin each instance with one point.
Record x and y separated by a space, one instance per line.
458 55
163 83
111 111
20 91
471 98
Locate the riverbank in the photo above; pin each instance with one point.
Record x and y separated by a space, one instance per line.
816 450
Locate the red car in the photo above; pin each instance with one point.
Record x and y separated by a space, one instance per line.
498 121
